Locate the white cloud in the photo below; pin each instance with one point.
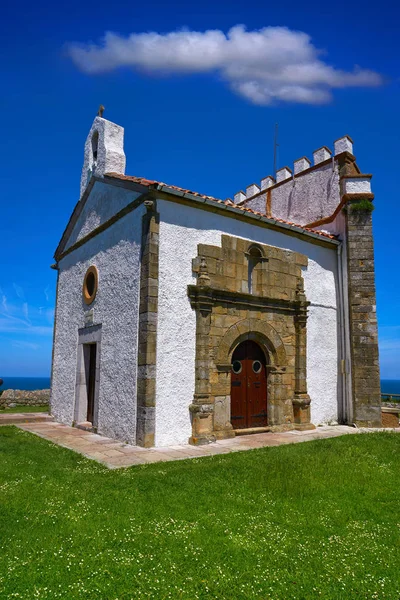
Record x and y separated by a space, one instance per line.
389 339
264 66
19 291
25 311
25 345
18 326
26 319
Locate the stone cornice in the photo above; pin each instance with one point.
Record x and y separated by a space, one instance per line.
204 298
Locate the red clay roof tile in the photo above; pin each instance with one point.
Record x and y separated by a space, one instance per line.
149 182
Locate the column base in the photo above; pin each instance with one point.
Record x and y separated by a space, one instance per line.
224 434
304 427
201 440
301 410
146 441
368 424
202 424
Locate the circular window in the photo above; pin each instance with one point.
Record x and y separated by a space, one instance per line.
90 284
257 366
236 366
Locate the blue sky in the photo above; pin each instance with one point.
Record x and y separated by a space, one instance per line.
200 123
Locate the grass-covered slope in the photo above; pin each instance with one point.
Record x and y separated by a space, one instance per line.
24 409
319 519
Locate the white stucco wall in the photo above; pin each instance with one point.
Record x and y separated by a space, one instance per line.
116 254
357 185
182 228
104 202
304 199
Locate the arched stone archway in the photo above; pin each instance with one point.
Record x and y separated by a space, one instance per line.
252 329
280 373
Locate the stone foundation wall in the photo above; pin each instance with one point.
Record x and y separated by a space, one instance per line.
24 398
390 417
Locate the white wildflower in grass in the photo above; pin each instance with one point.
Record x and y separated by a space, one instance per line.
317 520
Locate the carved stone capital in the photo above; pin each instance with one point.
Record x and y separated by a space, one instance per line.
276 370
301 400
201 298
224 367
201 410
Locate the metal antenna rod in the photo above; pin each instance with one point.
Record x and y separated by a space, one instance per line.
276 145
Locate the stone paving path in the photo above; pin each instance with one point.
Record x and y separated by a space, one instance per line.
30 417
115 454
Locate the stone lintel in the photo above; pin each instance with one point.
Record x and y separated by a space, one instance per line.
207 297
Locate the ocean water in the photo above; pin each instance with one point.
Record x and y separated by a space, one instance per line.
388 386
25 383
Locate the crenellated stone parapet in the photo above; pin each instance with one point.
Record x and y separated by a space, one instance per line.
301 166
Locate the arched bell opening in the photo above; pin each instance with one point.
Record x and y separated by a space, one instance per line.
95 146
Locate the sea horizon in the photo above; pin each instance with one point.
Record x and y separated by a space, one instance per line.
25 383
388 386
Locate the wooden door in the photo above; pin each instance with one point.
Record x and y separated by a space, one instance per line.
91 383
248 387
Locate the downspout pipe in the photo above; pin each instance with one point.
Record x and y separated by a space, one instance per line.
342 338
345 362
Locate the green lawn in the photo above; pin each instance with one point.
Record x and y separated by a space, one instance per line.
312 520
25 409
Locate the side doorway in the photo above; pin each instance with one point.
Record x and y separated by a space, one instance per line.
89 356
248 387
88 378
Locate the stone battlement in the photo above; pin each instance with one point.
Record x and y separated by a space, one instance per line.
343 144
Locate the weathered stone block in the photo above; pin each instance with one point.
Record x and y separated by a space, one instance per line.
301 259
209 251
390 417
368 416
222 413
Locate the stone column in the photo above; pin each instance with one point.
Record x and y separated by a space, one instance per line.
362 311
202 407
301 399
148 310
